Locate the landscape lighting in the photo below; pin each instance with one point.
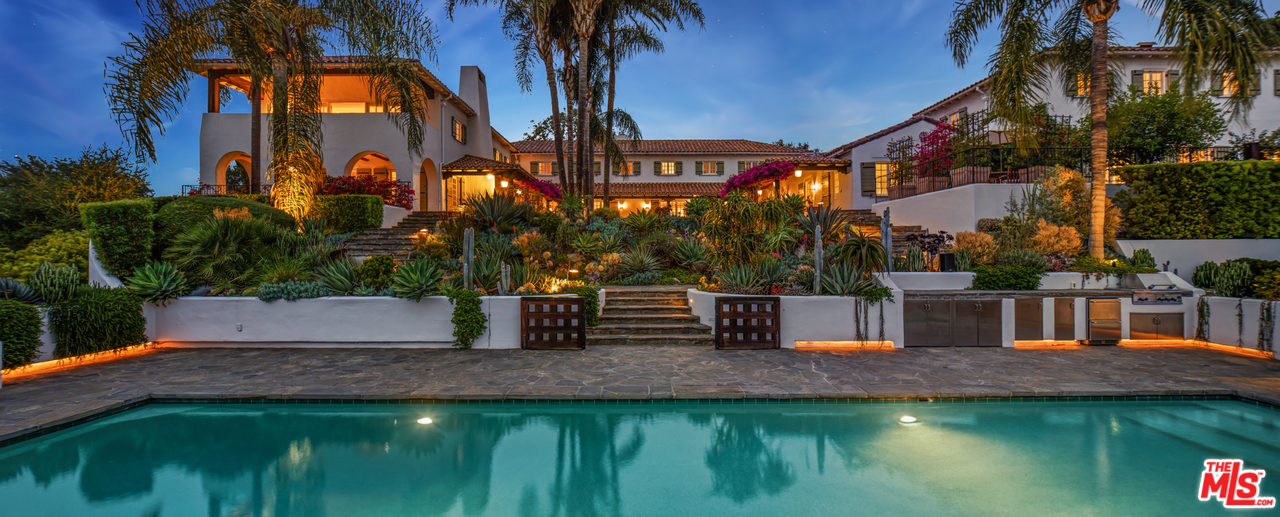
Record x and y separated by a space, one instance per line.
425 421
908 419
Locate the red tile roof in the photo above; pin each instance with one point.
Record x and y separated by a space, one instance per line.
955 96
816 158
476 164
669 147
664 189
886 131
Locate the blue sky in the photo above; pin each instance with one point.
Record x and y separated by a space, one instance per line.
821 71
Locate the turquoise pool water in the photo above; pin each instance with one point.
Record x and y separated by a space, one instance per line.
696 459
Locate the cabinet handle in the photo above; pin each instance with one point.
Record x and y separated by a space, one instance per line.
1157 320
1073 305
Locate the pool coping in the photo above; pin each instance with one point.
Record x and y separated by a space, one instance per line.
80 414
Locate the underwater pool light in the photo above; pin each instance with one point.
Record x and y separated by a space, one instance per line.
425 421
907 419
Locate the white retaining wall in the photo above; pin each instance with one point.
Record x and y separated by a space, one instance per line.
1235 322
816 318
1185 254
392 215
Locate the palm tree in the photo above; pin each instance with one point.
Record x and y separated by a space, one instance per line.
282 44
1211 38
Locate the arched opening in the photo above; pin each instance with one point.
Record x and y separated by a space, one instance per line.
371 164
428 184
232 172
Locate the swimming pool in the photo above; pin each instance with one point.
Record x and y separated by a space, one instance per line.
640 459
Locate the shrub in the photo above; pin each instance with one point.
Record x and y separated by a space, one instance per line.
158 282
20 329
648 278
225 252
1267 286
348 212
696 208
256 198
416 280
1007 278
981 247
18 291
97 319
184 213
388 192
1051 239
70 248
548 223
606 212
1203 200
54 284
376 272
121 232
987 225
1087 264
469 322
1022 258
590 303
291 291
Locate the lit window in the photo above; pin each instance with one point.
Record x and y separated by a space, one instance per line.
1153 82
1229 84
1082 85
497 157
882 178
347 107
667 168
711 168
459 131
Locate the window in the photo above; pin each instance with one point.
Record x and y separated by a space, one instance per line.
668 168
1153 81
544 168
744 165
497 156
627 169
379 173
882 178
954 118
1082 84
709 168
347 107
1229 84
459 131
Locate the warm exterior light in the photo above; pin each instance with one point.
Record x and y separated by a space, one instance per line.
504 183
425 421
518 192
815 187
573 271
759 192
424 230
622 205
488 176
908 419
798 173
645 205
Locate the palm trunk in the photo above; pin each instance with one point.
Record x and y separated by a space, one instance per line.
585 156
555 119
571 109
608 120
280 132
255 133
1098 139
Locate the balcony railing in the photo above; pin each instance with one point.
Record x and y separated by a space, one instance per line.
1004 164
216 190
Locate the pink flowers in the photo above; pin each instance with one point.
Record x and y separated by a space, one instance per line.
547 190
395 193
770 171
934 153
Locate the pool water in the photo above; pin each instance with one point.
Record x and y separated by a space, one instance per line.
696 459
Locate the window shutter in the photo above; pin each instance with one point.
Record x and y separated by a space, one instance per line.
1136 77
1215 84
742 165
697 167
635 168
720 168
1174 75
533 168
869 179
464 134
1255 89
1276 75
657 168
453 127
555 167
679 168
595 167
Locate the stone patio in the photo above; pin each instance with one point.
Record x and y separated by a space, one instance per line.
51 399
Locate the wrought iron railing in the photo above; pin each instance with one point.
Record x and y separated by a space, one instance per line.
213 190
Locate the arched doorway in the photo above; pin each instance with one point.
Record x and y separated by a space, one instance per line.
428 185
371 164
232 172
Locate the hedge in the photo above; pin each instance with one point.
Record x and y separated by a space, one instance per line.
97 319
184 212
19 332
348 212
121 232
1006 278
1205 200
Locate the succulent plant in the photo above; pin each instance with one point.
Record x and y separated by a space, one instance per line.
291 291
54 284
740 279
1142 258
416 280
845 280
914 260
338 276
15 290
376 272
637 262
1231 278
1204 274
158 282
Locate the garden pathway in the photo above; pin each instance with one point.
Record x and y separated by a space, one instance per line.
649 315
629 372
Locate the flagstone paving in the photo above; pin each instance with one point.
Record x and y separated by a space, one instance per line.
635 372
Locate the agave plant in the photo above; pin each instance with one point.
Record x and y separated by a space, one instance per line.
492 210
158 282
781 239
486 272
860 251
416 280
639 261
54 284
740 279
690 253
17 291
588 245
496 245
831 220
794 203
612 243
771 270
339 277
846 280
279 270
645 222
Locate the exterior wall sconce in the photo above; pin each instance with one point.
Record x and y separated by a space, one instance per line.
622 205
816 186
799 172
759 192
488 176
645 205
504 183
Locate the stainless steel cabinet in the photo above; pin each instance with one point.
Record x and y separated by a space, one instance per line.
1028 319
952 323
1153 326
1064 319
928 322
1104 321
977 323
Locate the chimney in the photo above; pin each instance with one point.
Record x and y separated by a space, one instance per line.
1146 44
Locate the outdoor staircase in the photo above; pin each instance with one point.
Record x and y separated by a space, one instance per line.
396 241
650 315
870 222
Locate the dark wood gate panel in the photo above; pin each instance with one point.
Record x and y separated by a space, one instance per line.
747 323
552 323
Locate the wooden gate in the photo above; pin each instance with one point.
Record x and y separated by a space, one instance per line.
747 323
552 323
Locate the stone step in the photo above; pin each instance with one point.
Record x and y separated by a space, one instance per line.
631 293
651 340
650 329
641 319
628 301
623 310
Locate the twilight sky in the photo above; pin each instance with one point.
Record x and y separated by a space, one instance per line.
821 71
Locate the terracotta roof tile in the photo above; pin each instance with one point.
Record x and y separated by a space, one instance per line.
470 163
664 189
818 158
669 147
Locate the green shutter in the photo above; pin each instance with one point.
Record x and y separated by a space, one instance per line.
720 168
595 167
679 168
1255 89
742 166
657 168
1276 75
453 127
535 168
555 167
1174 75
869 179
1215 84
1136 77
697 167
635 168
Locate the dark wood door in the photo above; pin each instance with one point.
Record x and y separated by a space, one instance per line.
552 323
747 323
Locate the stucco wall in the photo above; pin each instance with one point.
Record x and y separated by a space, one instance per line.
1185 254
815 318
874 151
1235 322
952 210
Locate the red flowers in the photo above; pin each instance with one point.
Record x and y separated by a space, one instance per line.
764 172
396 193
547 190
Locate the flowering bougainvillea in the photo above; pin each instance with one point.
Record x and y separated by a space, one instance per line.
547 190
770 171
395 193
934 152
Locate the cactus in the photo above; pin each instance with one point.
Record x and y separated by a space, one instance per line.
817 260
53 283
1231 278
1142 258
1204 275
964 260
914 261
